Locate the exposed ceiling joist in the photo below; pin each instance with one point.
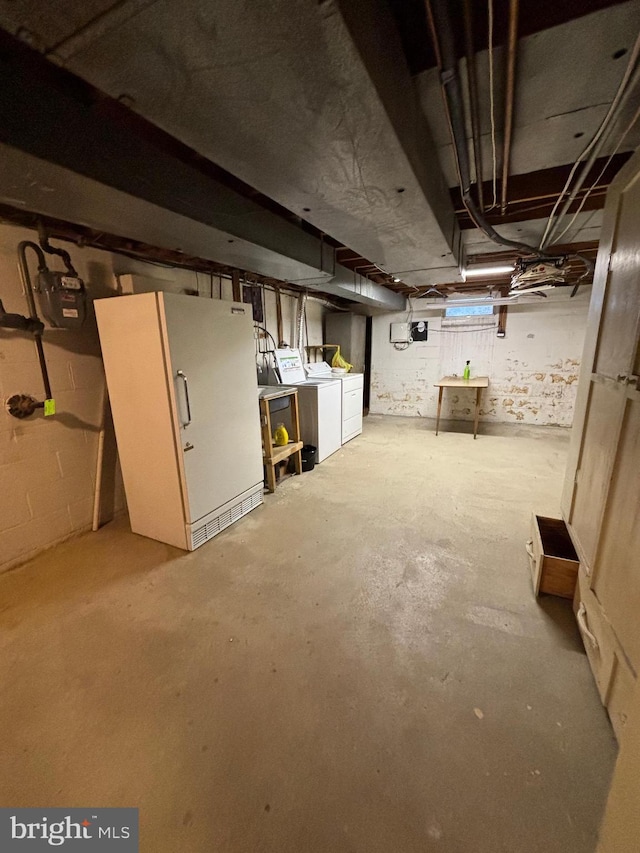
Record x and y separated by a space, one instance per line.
532 195
294 130
501 282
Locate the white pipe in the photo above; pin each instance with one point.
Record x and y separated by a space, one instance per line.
419 305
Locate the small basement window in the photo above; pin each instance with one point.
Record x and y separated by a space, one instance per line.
468 310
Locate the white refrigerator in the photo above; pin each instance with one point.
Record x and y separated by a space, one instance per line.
182 385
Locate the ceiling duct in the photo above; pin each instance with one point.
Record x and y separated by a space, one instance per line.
312 104
68 154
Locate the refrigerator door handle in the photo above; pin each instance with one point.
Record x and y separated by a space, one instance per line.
183 376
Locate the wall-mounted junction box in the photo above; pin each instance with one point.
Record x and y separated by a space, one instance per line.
399 333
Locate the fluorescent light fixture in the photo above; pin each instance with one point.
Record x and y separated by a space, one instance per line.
477 272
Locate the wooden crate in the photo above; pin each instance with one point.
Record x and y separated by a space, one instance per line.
553 559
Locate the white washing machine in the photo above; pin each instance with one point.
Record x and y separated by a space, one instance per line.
351 396
319 404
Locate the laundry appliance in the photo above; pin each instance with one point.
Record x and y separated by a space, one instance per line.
319 403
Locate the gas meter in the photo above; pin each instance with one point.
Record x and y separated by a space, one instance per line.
62 299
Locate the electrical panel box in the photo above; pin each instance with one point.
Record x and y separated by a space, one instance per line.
399 333
419 331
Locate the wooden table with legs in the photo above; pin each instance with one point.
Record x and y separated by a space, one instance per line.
477 382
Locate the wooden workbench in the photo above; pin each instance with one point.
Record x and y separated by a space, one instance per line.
273 454
477 382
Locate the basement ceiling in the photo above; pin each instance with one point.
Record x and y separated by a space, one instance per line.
332 112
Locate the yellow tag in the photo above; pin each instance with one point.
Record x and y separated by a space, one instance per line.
49 408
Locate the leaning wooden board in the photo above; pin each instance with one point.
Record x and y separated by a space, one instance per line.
601 498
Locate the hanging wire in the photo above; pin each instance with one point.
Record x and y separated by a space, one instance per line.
627 130
551 225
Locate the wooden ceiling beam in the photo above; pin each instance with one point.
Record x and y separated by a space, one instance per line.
533 195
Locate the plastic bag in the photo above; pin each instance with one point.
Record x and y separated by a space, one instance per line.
280 436
339 361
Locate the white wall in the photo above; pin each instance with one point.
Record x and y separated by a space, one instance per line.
48 465
533 371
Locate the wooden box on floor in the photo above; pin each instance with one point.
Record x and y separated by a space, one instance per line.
553 559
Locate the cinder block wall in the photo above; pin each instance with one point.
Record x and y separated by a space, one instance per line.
533 371
48 465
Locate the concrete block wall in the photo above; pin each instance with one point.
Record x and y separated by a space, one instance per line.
533 370
48 465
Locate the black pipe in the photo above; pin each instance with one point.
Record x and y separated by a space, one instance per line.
28 289
43 367
442 33
51 250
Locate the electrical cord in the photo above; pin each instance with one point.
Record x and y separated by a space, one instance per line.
267 332
602 171
401 346
551 226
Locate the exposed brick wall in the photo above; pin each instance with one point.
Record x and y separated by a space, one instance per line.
533 370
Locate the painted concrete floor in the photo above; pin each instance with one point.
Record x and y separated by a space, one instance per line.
359 666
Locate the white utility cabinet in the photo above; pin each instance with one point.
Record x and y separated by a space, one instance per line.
182 385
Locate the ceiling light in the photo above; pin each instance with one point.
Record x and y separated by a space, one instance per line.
396 279
485 271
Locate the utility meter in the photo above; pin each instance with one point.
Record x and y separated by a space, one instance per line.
62 299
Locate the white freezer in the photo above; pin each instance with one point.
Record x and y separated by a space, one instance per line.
182 385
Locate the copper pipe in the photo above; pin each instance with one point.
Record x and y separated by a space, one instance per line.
472 86
512 45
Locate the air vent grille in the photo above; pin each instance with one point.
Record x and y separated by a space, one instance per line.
207 531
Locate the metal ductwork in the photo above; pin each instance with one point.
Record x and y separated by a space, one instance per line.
64 155
33 184
311 104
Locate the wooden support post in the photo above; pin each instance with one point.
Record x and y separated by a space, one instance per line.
440 393
475 422
235 285
502 320
295 428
